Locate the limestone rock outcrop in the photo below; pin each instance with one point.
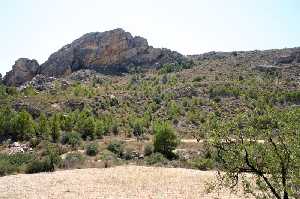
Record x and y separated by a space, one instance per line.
22 71
110 52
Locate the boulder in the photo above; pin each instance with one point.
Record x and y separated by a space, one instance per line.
22 71
40 83
32 110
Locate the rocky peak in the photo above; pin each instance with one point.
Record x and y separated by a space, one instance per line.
110 52
23 70
106 52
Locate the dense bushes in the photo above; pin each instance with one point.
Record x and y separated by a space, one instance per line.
47 163
92 149
14 163
165 139
116 147
224 91
71 138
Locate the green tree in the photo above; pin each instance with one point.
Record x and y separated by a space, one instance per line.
43 128
55 128
165 139
23 126
265 143
86 127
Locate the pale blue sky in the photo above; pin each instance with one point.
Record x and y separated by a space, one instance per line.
35 28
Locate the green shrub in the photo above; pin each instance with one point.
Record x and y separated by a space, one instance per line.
202 163
73 160
48 163
23 126
148 150
137 125
156 158
71 138
6 168
198 78
116 147
87 128
165 140
92 149
13 163
55 128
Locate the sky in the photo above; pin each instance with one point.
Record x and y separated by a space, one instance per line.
35 29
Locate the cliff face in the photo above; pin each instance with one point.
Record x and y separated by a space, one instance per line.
107 52
22 71
111 52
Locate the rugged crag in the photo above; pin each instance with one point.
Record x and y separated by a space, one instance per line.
112 52
22 71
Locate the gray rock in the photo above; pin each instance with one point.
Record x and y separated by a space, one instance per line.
109 52
40 83
33 110
22 71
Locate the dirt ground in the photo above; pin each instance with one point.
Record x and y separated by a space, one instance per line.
117 182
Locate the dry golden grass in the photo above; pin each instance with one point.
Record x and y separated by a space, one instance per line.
117 182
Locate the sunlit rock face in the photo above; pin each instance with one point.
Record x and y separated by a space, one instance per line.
22 71
112 51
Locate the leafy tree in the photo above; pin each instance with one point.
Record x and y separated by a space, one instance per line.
137 125
165 140
55 128
23 126
87 128
71 138
43 128
265 143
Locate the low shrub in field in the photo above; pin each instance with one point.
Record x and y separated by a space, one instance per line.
71 138
148 150
156 158
202 163
47 163
116 147
92 149
13 163
73 160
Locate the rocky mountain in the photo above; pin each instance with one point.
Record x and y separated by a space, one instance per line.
23 70
112 52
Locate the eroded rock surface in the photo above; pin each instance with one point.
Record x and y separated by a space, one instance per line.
112 51
22 71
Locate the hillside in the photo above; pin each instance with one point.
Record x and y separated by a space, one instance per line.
110 99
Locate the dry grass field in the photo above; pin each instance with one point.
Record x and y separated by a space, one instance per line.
117 182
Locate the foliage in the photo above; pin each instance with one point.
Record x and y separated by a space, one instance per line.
73 160
23 126
274 160
92 149
148 149
156 158
86 127
202 163
14 162
165 140
116 147
55 128
71 138
43 128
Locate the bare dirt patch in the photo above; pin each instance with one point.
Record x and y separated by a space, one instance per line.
117 182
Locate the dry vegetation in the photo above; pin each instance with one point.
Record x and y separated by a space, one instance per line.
116 182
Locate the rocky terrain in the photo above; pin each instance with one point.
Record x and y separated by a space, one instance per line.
105 99
113 52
